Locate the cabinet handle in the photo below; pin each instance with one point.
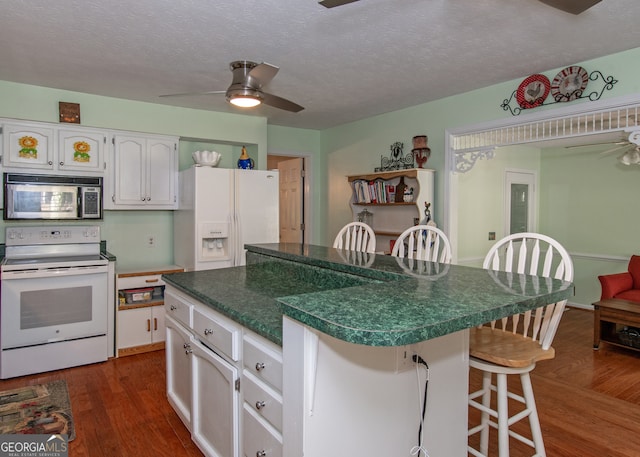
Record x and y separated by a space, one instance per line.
144 198
173 308
50 162
61 164
186 345
188 350
208 331
260 404
155 323
148 325
259 366
151 280
262 453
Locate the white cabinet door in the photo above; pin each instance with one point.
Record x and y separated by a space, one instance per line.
158 324
215 403
178 355
145 173
161 172
134 327
27 146
80 150
130 170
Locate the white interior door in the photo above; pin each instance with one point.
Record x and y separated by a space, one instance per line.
291 200
520 202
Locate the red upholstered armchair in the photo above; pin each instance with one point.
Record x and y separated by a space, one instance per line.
625 286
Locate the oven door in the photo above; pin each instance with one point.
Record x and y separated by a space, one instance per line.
50 305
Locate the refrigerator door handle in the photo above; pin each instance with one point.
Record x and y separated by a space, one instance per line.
238 242
232 238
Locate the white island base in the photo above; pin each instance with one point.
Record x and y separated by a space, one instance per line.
344 399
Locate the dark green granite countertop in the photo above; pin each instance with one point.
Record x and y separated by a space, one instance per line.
370 299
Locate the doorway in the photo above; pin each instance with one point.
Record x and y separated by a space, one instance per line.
293 197
520 201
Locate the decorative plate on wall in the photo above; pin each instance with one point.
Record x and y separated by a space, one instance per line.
569 84
533 91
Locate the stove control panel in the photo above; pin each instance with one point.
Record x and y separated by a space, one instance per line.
24 236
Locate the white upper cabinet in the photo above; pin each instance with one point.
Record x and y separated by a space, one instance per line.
51 148
27 146
144 174
81 150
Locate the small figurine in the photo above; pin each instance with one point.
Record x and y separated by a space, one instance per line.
245 162
427 213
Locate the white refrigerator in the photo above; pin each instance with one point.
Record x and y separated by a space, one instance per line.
221 210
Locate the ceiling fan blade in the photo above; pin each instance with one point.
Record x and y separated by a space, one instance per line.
261 75
195 93
279 102
617 148
619 143
571 6
334 3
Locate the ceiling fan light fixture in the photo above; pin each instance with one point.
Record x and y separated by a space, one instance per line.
244 101
631 157
244 97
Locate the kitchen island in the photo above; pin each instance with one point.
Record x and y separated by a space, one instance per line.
344 327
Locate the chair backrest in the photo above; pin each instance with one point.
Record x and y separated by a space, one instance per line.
538 255
356 236
423 242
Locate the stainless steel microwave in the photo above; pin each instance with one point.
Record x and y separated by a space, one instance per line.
52 197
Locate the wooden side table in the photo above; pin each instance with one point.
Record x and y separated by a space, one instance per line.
608 315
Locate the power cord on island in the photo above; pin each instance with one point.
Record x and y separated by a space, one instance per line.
419 449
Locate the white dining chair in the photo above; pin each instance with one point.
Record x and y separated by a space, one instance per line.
356 236
423 242
513 345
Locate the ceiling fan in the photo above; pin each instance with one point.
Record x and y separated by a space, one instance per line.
569 6
246 87
630 151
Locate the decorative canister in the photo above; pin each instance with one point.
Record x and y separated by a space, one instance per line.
420 151
420 142
245 161
366 217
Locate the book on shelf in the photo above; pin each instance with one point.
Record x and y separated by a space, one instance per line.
377 191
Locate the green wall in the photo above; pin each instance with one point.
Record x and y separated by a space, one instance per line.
481 200
352 148
126 231
356 148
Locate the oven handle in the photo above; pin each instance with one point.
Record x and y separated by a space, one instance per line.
54 272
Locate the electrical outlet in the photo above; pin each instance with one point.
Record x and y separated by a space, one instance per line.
492 236
151 241
404 360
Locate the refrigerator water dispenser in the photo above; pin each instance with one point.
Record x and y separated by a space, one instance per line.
214 241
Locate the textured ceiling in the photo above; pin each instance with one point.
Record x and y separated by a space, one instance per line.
341 64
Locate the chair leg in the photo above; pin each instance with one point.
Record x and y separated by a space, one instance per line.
484 417
503 415
534 422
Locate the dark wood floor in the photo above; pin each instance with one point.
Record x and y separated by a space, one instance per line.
588 401
120 408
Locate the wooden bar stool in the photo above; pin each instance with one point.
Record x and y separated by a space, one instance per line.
517 343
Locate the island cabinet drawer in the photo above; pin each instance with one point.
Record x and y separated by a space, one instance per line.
217 332
178 307
264 401
259 439
263 359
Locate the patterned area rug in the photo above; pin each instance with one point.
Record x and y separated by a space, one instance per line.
40 409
